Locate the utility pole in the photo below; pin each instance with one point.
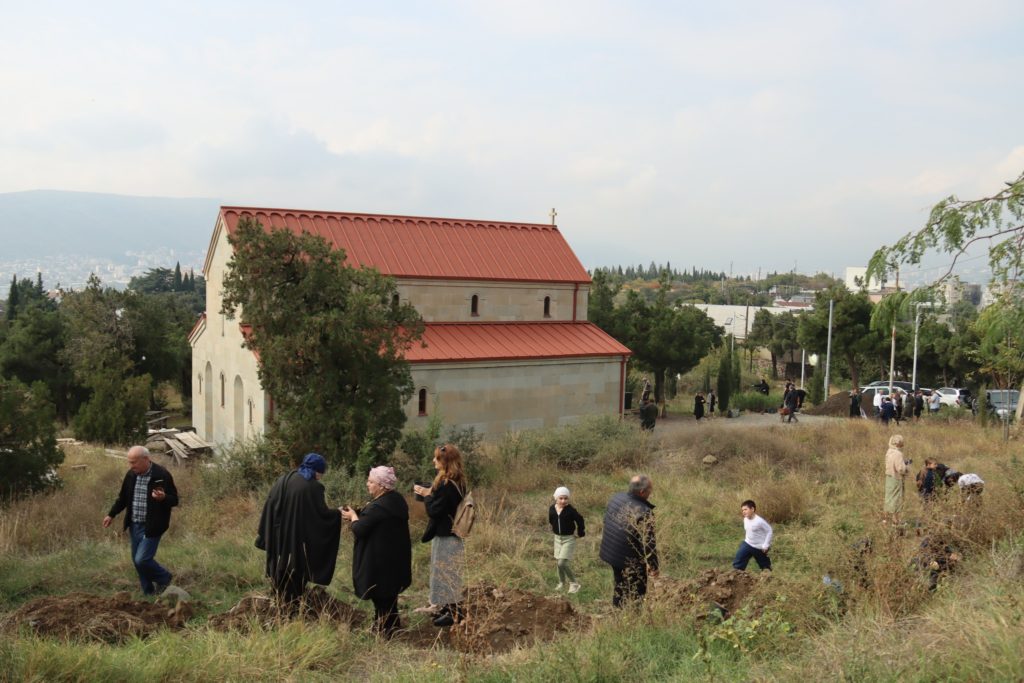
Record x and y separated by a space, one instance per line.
917 325
828 347
892 343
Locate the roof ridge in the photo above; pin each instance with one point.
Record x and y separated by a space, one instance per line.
361 214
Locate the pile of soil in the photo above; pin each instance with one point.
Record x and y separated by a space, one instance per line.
258 609
714 590
499 619
80 616
838 405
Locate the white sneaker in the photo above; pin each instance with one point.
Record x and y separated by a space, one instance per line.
560 586
574 588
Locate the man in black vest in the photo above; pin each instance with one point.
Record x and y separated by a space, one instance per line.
628 542
148 494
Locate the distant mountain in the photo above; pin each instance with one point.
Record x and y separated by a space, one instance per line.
43 223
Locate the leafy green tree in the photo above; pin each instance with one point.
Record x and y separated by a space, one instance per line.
663 337
31 349
851 327
28 445
724 382
100 343
331 340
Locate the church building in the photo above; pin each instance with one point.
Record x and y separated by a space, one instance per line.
507 342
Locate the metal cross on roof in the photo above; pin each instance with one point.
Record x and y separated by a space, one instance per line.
553 213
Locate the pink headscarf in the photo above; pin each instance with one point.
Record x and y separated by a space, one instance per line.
384 476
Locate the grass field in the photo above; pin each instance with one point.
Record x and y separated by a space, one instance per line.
819 484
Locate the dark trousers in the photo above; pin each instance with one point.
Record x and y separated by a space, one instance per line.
630 583
747 551
386 619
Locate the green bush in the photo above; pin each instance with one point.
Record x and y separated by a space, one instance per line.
756 402
116 411
600 441
249 465
28 445
725 382
816 391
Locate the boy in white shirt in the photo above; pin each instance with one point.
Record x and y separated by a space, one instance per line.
757 541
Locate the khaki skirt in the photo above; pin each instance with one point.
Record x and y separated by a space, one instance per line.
565 547
893 494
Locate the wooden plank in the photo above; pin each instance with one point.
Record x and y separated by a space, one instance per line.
179 451
192 441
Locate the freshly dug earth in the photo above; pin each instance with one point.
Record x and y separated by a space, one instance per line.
714 590
498 619
80 616
838 405
263 610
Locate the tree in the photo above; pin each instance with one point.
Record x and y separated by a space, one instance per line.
663 337
851 327
99 349
724 381
28 444
331 341
176 281
953 227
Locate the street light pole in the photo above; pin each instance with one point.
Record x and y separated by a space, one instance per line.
828 348
917 326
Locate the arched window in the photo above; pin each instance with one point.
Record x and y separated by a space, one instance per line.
200 382
395 300
423 401
474 305
250 410
547 307
222 390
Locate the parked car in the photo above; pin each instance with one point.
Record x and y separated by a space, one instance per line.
1003 402
897 384
955 398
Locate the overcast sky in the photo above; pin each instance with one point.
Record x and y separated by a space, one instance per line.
767 135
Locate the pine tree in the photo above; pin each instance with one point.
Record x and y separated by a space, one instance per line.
12 299
176 284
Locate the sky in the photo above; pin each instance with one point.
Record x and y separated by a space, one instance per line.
731 136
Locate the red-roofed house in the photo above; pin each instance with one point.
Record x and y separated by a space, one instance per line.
508 345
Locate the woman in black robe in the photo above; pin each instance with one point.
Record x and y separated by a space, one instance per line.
698 405
299 533
382 556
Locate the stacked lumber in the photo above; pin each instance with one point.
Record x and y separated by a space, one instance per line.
181 446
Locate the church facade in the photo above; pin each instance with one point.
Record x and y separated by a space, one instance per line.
507 345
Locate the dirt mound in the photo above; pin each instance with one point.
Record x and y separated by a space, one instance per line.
81 616
837 405
498 619
724 591
257 608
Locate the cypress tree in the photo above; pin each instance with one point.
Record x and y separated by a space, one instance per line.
12 299
176 286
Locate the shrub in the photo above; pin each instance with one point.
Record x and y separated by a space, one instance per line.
755 401
603 441
248 465
28 446
116 411
816 392
724 382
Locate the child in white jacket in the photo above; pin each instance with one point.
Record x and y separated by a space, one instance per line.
757 540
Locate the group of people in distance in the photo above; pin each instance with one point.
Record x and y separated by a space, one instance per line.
931 481
301 535
700 400
899 405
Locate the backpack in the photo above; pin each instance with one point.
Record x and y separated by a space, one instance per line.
465 515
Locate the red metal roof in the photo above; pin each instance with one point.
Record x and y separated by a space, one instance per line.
447 248
512 341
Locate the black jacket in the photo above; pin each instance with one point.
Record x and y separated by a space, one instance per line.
567 523
158 513
628 535
382 556
441 506
299 532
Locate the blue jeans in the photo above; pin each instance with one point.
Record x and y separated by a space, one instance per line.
747 551
152 576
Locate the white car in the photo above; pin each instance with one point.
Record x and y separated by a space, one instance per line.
955 398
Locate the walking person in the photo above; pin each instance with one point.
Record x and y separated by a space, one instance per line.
898 404
566 524
382 555
628 543
792 402
918 404
757 539
299 533
698 405
854 403
147 495
712 402
441 500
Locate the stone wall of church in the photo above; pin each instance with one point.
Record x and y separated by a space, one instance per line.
452 301
513 395
227 399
